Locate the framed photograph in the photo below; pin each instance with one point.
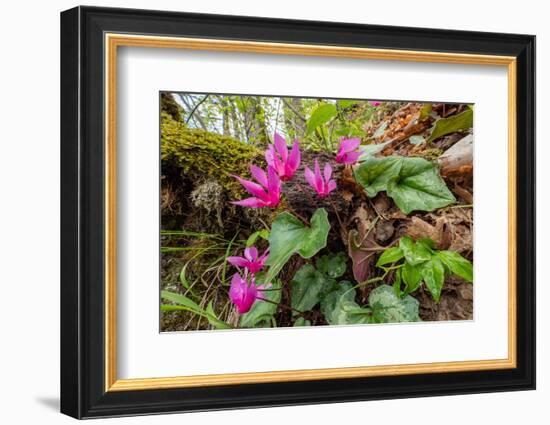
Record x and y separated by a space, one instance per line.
261 212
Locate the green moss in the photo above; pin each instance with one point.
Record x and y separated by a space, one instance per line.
202 155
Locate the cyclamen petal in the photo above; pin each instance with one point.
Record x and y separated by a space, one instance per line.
352 157
237 261
323 184
346 151
277 157
274 184
331 186
348 145
242 293
252 188
251 253
273 161
280 146
250 203
250 261
310 177
327 172
259 175
269 182
318 177
294 158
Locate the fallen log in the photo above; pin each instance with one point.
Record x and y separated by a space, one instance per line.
458 159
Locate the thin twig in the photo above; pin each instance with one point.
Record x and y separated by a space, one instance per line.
289 106
199 103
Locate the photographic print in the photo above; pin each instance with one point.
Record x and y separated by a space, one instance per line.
297 211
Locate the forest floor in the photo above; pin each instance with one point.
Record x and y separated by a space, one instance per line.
220 228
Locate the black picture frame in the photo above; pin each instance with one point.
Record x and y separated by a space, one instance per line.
83 392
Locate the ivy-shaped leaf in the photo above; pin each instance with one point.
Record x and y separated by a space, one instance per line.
375 173
339 307
387 307
332 265
413 183
308 287
419 187
289 236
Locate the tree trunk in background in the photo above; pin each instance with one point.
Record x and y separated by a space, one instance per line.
237 133
225 115
254 121
295 123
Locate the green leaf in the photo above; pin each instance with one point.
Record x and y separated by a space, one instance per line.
339 307
348 131
413 183
321 115
387 307
433 274
183 278
457 264
428 243
419 187
443 126
411 276
397 283
425 111
300 321
213 318
415 253
187 304
369 150
332 265
262 311
375 173
390 255
264 234
346 103
289 236
181 300
172 307
308 287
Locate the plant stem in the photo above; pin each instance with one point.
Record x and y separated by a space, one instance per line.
301 313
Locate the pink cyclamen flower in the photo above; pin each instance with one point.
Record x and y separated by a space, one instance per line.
243 293
251 260
267 192
347 152
323 186
283 163
375 103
